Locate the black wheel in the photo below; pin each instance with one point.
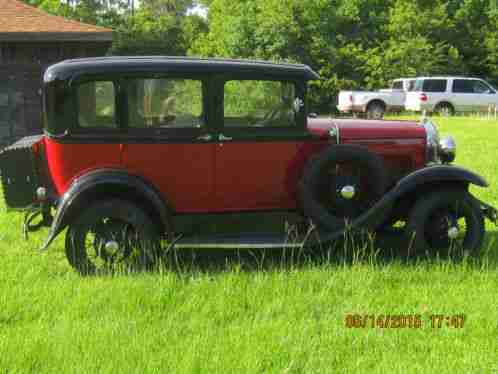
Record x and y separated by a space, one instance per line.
340 184
446 222
112 235
375 110
445 109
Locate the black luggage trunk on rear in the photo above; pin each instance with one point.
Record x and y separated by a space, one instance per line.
19 174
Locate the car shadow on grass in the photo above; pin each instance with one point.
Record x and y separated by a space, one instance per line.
382 250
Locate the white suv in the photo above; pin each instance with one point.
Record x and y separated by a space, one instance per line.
447 95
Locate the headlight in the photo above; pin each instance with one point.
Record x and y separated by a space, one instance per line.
447 149
432 145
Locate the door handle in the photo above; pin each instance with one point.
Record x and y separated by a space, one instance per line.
223 138
205 137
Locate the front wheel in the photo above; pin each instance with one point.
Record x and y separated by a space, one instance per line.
446 221
112 235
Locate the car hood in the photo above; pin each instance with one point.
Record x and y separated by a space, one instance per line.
367 129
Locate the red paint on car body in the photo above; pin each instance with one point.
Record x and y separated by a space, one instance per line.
183 173
67 161
237 175
391 139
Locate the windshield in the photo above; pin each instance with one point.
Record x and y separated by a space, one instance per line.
397 85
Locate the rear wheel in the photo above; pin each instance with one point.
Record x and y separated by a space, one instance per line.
445 109
446 222
375 110
110 236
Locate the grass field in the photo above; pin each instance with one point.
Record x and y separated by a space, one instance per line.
253 315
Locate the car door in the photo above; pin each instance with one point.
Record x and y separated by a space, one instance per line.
168 139
472 95
487 96
261 128
466 96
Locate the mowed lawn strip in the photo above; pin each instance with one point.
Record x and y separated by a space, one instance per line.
236 318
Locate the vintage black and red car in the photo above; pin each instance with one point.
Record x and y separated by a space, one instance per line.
142 154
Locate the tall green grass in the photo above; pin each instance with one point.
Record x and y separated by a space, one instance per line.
249 312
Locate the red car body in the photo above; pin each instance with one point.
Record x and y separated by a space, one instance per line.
200 178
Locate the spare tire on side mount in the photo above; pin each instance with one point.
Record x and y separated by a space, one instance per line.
341 183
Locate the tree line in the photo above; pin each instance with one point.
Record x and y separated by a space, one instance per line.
351 43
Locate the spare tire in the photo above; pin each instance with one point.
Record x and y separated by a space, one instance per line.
340 184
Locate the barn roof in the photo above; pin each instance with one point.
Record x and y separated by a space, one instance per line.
22 22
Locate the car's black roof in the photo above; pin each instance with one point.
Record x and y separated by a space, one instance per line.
97 65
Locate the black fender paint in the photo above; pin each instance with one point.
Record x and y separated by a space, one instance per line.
98 178
375 216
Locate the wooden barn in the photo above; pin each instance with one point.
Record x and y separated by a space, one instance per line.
31 40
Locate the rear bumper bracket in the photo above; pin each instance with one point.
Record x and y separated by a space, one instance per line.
489 212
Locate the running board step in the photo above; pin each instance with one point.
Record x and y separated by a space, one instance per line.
249 241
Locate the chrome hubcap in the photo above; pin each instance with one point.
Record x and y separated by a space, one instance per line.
453 232
112 246
347 192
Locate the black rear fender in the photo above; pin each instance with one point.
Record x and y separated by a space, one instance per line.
105 184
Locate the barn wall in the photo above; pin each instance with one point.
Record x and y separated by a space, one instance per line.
21 69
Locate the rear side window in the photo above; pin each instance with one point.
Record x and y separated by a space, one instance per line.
463 86
398 85
96 105
434 85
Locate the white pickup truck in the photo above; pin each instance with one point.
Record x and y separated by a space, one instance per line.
376 103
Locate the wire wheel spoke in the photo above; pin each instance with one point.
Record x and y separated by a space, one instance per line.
111 244
447 228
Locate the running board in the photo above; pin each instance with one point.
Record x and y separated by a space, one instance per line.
248 241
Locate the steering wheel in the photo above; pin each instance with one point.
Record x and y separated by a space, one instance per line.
268 117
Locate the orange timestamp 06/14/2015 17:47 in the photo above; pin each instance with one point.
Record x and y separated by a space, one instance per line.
397 321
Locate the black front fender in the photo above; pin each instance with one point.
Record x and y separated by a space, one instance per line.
431 176
439 174
101 183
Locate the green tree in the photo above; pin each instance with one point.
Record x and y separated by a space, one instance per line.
357 43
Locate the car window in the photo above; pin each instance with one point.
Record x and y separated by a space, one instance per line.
411 85
96 105
463 86
259 103
434 85
480 87
165 103
419 85
471 86
397 85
